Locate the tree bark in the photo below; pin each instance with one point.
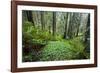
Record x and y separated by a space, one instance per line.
65 32
54 24
87 35
78 24
42 20
70 25
30 17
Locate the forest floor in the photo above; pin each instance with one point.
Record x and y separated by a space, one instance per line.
56 50
60 50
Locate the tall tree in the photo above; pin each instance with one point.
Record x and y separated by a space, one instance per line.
70 25
78 24
30 17
42 20
66 23
54 24
87 35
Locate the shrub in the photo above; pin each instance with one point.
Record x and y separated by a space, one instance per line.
26 26
77 48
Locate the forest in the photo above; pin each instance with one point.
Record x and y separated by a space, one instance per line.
55 36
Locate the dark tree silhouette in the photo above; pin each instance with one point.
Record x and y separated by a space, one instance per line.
87 35
70 26
30 17
65 32
54 24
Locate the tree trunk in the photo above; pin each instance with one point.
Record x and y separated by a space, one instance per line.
42 20
50 29
87 35
70 26
30 17
78 24
54 24
65 32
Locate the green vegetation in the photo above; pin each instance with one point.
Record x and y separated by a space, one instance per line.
43 42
